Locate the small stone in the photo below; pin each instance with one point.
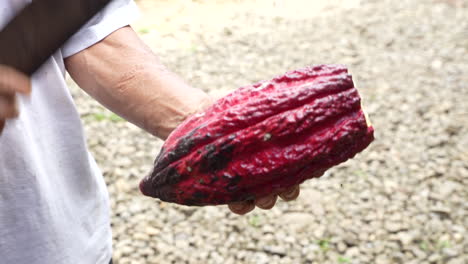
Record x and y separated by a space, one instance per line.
458 237
297 221
124 260
341 247
405 237
122 186
289 239
398 257
140 236
449 252
117 254
434 257
393 227
151 231
382 260
126 250
181 236
275 250
418 253
147 251
353 252
350 239
457 261
436 64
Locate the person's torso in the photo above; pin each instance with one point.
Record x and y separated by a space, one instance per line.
53 200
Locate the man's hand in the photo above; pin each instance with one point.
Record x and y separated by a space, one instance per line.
11 83
266 202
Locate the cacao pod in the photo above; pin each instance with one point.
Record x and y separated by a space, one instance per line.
261 139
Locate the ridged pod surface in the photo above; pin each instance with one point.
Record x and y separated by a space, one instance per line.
261 139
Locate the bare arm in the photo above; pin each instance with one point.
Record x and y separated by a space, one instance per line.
124 75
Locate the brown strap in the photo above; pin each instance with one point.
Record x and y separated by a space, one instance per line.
41 28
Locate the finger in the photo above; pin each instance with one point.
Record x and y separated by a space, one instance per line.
12 80
8 107
242 208
2 125
291 193
266 202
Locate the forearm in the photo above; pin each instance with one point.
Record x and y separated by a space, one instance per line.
124 75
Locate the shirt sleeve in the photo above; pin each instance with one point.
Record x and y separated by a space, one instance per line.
117 14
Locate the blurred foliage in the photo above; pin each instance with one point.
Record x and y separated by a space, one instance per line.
104 116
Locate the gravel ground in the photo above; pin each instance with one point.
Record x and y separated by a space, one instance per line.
403 200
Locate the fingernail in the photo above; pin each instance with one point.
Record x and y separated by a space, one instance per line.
238 207
266 203
290 194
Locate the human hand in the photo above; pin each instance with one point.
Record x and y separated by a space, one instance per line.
11 83
266 202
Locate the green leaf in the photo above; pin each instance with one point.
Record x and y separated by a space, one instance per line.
99 116
144 30
343 260
324 244
104 117
443 244
360 173
254 221
424 245
115 118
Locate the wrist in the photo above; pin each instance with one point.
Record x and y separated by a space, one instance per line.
177 109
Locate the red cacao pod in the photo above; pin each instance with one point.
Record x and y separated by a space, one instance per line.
261 139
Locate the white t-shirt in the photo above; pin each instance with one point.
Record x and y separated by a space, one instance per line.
53 200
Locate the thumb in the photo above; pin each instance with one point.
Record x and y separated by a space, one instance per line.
13 81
